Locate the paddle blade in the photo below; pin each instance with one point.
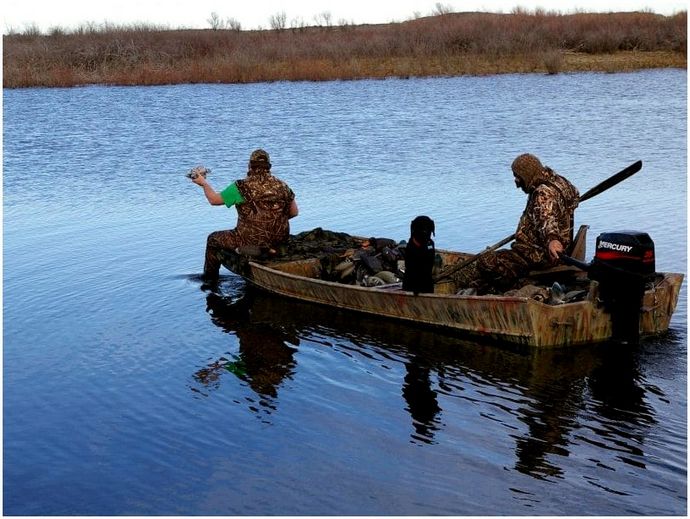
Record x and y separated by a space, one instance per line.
612 181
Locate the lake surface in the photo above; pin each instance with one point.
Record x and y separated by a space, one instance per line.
129 390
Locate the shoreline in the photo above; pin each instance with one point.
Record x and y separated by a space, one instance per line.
397 68
459 44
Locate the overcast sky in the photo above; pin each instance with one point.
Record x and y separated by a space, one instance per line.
20 14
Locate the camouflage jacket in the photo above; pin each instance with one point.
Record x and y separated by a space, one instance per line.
549 215
263 218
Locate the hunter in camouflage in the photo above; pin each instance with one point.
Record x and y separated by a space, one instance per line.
264 206
545 230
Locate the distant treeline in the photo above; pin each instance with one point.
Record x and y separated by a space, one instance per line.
443 45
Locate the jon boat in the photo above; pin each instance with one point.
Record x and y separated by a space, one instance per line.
514 319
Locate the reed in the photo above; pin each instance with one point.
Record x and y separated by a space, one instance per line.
447 44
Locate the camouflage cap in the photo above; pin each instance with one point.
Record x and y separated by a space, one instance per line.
260 156
527 167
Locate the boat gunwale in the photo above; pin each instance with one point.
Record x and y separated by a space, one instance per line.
382 288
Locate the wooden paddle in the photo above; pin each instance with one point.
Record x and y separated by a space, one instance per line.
596 190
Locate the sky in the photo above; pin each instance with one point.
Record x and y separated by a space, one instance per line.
18 15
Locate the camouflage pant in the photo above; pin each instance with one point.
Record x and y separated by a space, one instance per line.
493 271
217 241
238 237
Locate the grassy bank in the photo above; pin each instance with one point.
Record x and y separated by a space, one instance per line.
443 45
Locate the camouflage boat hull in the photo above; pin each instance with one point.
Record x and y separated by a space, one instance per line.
517 320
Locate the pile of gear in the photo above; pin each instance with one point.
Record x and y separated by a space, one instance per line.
351 260
377 261
344 258
556 294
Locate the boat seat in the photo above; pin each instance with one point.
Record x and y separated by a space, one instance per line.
558 270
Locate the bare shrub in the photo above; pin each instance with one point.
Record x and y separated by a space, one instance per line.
441 9
214 21
298 24
323 19
278 21
553 61
232 24
31 30
217 23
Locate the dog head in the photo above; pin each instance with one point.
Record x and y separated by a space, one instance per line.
421 228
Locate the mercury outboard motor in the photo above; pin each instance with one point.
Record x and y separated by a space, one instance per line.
623 264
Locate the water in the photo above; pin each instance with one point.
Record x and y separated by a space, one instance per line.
130 391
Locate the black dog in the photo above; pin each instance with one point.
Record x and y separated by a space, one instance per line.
419 256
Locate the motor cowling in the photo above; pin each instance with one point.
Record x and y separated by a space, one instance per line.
631 251
623 264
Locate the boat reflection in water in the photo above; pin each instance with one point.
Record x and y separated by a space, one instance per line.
549 400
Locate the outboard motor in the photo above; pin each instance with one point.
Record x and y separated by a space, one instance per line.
623 264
